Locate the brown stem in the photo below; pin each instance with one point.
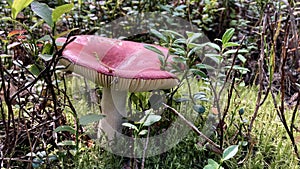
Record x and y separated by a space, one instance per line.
260 69
192 126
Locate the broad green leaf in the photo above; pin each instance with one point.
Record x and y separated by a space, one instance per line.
159 35
130 126
60 10
43 11
212 164
154 49
199 109
227 35
151 119
90 118
229 152
18 6
65 128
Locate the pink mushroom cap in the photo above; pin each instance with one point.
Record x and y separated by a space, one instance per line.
123 65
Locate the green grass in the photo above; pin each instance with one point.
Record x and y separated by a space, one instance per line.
271 146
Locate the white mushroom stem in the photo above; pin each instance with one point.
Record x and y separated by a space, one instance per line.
113 106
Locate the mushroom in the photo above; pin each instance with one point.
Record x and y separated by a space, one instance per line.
119 67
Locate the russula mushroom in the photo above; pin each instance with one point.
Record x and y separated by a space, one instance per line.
119 67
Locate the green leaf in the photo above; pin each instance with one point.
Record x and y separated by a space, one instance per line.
52 158
46 57
34 69
90 118
65 33
174 33
159 35
212 164
47 48
154 49
180 41
198 72
239 68
10 2
241 111
230 44
130 126
43 11
213 45
143 132
232 51
242 58
60 10
66 143
45 38
199 109
193 37
151 119
229 152
179 59
36 163
180 8
162 61
194 50
18 6
199 95
227 35
215 57
65 128
179 100
204 66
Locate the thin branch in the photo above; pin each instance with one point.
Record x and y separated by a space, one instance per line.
260 67
192 126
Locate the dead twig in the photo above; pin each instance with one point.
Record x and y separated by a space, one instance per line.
192 126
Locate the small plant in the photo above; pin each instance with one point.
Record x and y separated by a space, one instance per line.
228 153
